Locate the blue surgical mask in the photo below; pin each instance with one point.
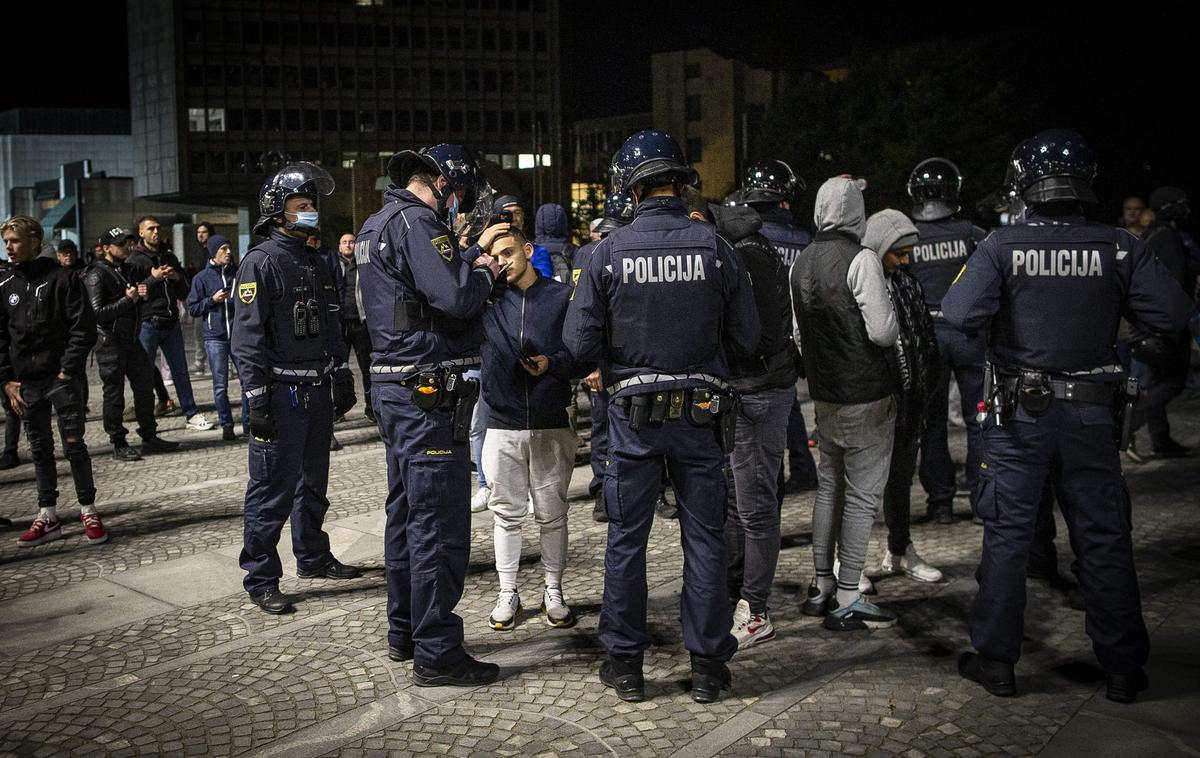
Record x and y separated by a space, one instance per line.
452 211
310 219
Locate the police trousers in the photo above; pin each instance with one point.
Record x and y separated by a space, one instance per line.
289 476
1072 443
427 537
632 483
598 448
66 400
963 356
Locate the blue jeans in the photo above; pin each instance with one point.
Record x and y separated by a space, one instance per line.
218 366
170 341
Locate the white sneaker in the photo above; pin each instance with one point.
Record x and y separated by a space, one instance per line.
558 614
751 628
479 502
865 585
504 615
197 423
910 564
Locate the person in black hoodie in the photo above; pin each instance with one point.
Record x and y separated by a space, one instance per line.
116 303
765 380
46 331
529 451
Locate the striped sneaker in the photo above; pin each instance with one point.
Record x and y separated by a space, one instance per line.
859 615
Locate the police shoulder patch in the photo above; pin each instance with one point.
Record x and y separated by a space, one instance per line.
247 292
443 247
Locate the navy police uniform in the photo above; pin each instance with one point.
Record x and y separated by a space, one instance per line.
286 343
1051 290
653 305
943 247
421 300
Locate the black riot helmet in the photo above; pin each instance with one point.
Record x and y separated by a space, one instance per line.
1053 165
770 182
454 162
298 178
1170 203
619 210
933 186
649 154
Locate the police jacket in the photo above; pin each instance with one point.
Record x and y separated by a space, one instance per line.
527 323
117 317
940 254
349 281
421 299
1164 242
1050 292
659 300
845 321
780 228
46 322
285 320
772 363
161 296
215 316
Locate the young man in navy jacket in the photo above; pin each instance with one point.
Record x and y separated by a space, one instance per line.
529 450
209 302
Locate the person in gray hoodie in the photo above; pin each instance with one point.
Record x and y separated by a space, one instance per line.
892 235
552 234
845 328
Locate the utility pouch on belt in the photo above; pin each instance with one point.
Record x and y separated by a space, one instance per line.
703 408
1129 399
658 407
639 411
428 391
1034 393
464 393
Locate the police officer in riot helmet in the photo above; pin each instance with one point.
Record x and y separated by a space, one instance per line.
656 303
1050 292
770 187
287 346
422 298
944 243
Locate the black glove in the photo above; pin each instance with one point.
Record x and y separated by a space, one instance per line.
343 392
262 426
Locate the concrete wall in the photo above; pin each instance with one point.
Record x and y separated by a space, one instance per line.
29 158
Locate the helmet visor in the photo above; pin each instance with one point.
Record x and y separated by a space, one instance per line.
303 177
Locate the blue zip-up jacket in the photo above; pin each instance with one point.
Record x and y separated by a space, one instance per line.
216 316
528 321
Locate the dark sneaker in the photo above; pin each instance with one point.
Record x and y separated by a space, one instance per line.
665 509
707 684
335 569
818 604
1124 688
400 653
630 687
227 434
996 677
943 514
124 452
273 601
157 444
859 615
1170 449
466 673
166 408
5 523
9 460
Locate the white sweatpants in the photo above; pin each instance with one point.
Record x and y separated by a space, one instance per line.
522 467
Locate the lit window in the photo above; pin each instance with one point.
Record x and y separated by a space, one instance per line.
195 119
545 160
216 119
508 161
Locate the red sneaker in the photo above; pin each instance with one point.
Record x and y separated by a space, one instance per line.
93 528
41 531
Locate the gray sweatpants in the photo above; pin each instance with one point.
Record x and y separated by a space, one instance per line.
856 450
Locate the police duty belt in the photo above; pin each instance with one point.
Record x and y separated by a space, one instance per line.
642 380
417 368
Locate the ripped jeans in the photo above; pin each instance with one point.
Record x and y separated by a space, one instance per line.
66 400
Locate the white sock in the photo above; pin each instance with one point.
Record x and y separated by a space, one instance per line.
826 584
48 513
553 580
86 509
847 597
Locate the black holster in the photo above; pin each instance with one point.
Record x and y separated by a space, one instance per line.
1125 408
463 393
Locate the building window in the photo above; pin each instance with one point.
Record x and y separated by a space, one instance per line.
418 38
695 151
365 37
383 78
194 76
456 122
236 121
254 76
366 78
274 120
329 120
489 121
523 42
471 41
383 36
233 76
403 121
346 77
508 122
212 75
489 39
692 107
346 35
472 76
291 76
216 119
252 33
401 36
526 122
309 78
254 120
474 122
384 121
508 162
539 42
309 36
329 77
439 121
420 121
270 34
437 80
491 82
291 120
312 120
349 123
691 71
216 163
196 163
508 82
196 119
366 121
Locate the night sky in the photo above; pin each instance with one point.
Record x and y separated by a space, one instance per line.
1126 82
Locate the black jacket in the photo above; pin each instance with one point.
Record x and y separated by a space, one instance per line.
46 322
774 361
161 297
916 350
347 287
117 317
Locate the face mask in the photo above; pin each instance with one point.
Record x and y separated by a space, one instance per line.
308 218
452 211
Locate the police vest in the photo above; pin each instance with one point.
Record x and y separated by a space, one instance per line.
302 321
788 240
666 302
941 250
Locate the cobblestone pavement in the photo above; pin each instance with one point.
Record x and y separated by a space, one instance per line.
147 646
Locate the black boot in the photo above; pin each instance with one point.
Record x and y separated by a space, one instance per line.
1124 688
273 601
709 677
466 673
996 677
625 676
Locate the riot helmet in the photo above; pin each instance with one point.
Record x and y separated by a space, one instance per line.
647 155
770 181
619 210
1170 203
454 162
1053 165
933 186
299 178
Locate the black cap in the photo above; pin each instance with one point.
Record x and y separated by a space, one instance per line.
67 245
116 236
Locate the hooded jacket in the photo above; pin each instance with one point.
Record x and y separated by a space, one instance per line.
773 362
551 231
216 316
916 352
46 322
844 317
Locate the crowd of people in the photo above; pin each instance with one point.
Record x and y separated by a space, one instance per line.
690 325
